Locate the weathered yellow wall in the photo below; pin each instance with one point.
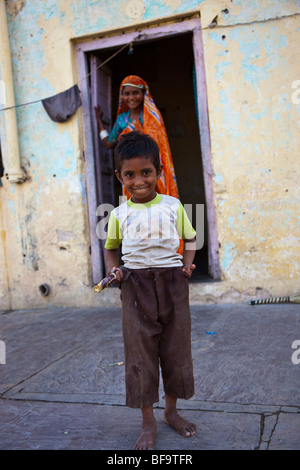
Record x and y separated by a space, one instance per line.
251 61
255 147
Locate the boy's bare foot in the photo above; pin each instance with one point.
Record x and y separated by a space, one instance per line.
182 426
146 441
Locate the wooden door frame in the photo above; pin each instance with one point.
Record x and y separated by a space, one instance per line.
149 33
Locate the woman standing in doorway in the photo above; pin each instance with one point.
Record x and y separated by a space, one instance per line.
137 111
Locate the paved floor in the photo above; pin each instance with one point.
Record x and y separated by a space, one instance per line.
62 387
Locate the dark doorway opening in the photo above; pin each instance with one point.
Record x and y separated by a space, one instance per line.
167 65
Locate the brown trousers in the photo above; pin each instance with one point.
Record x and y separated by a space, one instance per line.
156 328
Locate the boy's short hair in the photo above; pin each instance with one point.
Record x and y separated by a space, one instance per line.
136 144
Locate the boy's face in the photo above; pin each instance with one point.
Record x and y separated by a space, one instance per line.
139 177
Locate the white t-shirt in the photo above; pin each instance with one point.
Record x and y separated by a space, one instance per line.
149 233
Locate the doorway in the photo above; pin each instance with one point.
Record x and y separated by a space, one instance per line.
167 64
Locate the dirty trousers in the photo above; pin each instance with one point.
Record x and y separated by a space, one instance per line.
156 329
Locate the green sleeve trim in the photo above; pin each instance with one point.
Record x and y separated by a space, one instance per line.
114 236
183 224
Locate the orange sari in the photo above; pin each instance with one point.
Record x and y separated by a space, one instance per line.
155 127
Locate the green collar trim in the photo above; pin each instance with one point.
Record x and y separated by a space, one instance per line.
138 205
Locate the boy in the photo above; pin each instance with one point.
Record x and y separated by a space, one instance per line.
154 285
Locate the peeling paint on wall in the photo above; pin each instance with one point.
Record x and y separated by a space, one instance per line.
14 7
249 54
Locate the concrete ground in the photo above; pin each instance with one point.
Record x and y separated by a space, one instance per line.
62 384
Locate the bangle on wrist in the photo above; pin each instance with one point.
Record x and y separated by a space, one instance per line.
103 134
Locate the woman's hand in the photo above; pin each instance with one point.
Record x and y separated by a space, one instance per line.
99 114
99 111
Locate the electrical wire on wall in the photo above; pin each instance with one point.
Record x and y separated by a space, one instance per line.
84 78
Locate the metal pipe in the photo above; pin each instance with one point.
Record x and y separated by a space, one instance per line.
10 141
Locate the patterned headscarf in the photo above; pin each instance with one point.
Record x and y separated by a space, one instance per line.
155 127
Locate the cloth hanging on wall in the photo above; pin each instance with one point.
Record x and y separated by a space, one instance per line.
60 107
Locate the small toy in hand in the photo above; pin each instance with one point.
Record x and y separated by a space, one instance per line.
105 282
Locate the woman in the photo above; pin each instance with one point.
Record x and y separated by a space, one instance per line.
137 111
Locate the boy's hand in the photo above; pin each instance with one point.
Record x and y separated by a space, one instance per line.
188 270
118 272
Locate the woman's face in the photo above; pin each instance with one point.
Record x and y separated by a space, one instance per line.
133 97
